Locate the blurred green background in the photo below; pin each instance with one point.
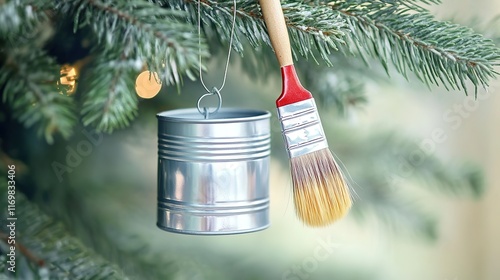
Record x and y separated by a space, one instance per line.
109 199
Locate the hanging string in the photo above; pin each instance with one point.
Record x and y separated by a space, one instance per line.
214 90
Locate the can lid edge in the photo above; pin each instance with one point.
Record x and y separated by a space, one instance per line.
240 115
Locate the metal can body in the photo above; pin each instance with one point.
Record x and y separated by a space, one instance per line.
213 174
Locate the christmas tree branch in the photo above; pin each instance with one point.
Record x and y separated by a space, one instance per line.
109 101
320 35
159 37
396 211
30 80
408 162
336 90
436 52
22 16
25 251
384 177
489 28
400 32
48 244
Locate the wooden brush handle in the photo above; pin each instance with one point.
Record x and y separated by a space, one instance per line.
276 27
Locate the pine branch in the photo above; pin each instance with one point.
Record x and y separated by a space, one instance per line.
109 100
22 16
437 52
396 32
385 165
397 212
49 243
334 89
30 80
490 28
456 179
321 34
159 36
402 33
407 162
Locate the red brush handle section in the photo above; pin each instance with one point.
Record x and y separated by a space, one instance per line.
292 91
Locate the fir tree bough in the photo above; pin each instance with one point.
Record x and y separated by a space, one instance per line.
50 251
31 88
127 35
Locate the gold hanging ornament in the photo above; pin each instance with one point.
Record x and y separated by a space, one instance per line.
68 78
147 84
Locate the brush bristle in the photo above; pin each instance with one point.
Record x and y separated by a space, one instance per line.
321 195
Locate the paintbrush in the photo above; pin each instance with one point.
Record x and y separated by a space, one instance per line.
321 195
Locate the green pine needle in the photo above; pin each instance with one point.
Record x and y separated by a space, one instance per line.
400 34
439 53
48 246
139 29
21 16
109 99
32 90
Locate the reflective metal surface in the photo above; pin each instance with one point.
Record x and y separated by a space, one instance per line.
213 174
301 128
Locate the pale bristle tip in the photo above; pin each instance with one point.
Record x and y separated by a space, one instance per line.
321 195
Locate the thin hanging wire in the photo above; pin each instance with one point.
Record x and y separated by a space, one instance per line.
228 52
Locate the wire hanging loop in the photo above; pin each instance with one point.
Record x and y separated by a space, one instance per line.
206 111
214 90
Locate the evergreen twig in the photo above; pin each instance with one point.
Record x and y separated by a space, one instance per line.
159 37
63 255
439 53
383 187
401 33
109 101
31 88
22 16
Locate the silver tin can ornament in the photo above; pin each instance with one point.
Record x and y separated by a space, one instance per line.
213 174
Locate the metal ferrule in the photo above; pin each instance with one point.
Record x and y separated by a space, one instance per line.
301 128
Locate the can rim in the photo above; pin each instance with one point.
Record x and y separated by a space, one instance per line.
191 115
